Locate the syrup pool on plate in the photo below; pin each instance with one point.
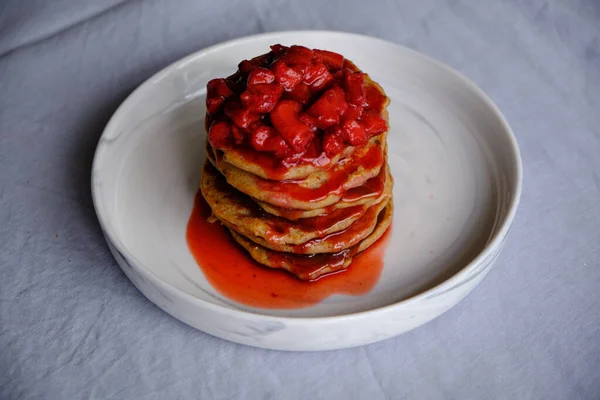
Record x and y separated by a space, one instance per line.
236 276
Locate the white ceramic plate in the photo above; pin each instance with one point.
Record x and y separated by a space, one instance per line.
457 175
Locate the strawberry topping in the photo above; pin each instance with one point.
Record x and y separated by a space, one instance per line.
286 120
326 111
296 104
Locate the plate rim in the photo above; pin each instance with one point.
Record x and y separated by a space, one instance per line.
489 248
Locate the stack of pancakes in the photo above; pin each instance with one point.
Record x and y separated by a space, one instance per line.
308 219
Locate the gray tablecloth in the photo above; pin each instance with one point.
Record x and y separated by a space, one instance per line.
72 325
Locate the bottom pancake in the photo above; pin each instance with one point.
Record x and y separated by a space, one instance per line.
311 267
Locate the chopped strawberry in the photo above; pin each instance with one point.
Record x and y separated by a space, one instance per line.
338 76
301 93
278 49
217 91
286 76
236 82
308 120
374 98
218 87
328 108
317 75
277 145
264 138
333 60
213 104
353 112
285 118
219 134
300 68
241 117
354 83
261 97
260 75
373 122
259 136
314 148
238 134
353 132
333 143
297 55
247 65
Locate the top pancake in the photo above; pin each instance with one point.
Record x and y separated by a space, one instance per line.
320 189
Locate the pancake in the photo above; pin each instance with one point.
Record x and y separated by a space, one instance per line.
266 166
241 212
268 178
254 162
323 188
372 192
312 267
331 243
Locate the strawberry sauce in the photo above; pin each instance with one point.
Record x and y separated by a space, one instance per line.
371 189
230 270
335 183
293 106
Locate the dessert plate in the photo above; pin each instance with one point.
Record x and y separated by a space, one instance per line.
454 159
